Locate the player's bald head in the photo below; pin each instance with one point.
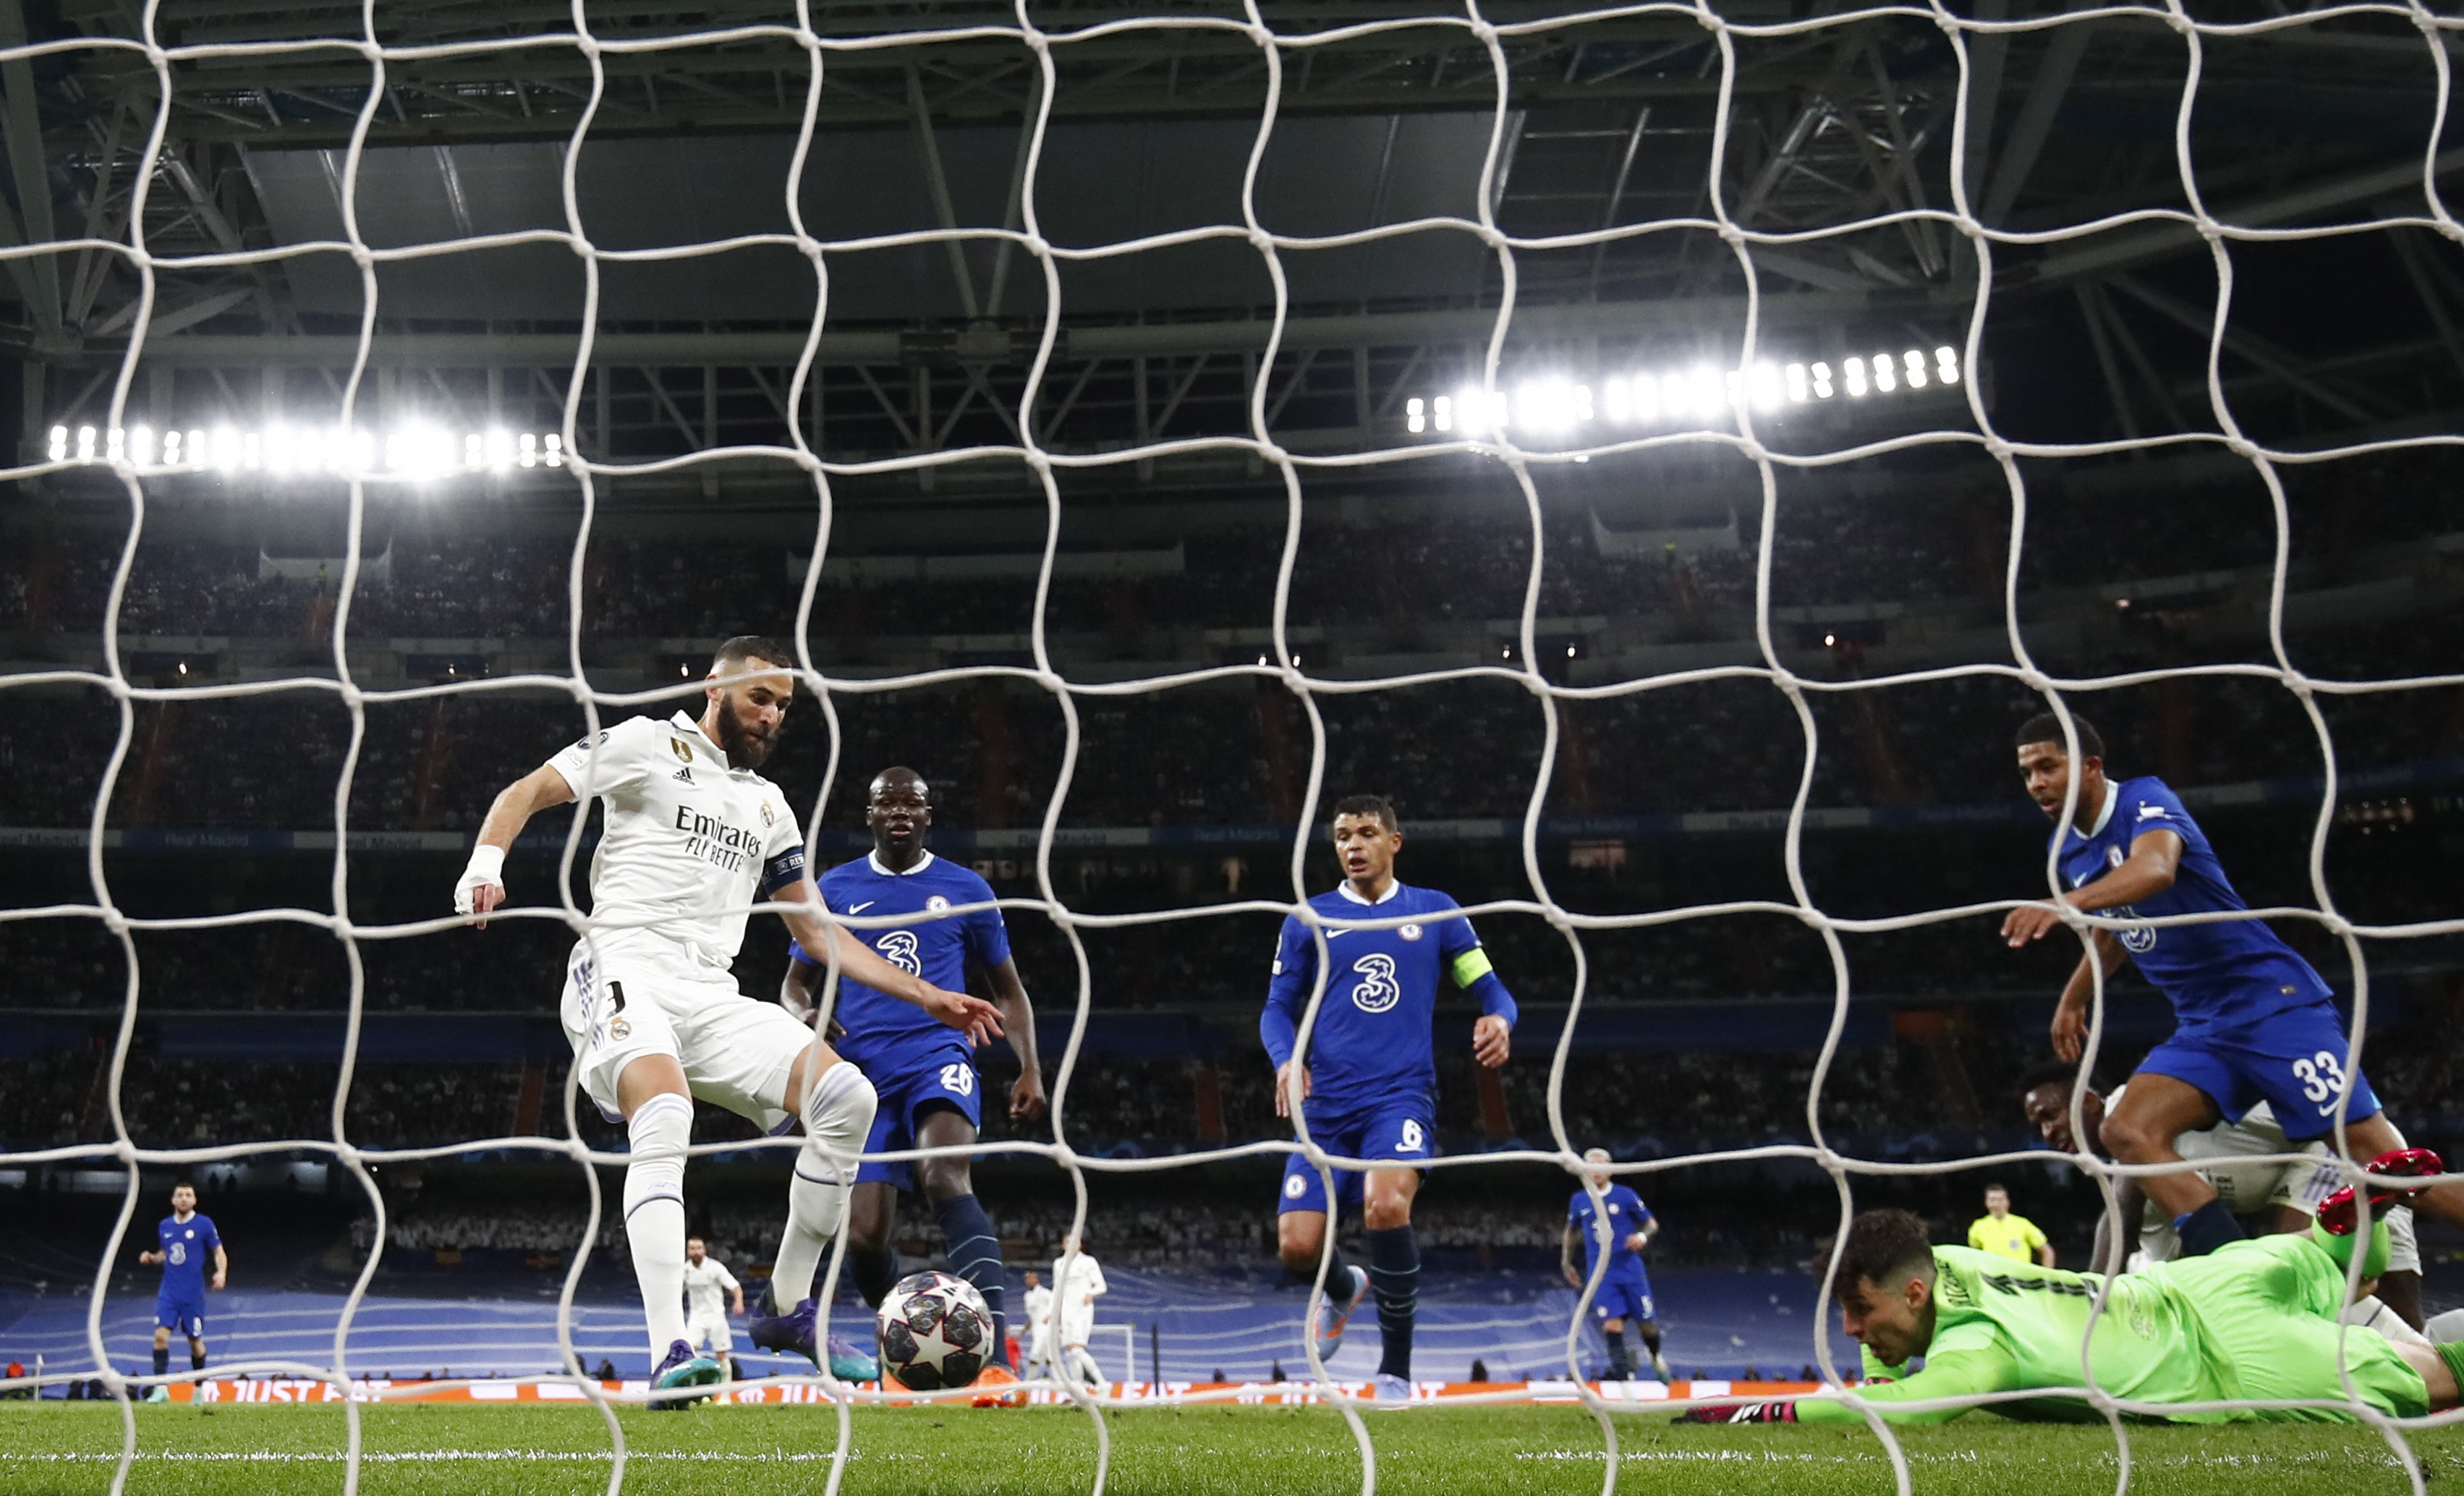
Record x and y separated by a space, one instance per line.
899 780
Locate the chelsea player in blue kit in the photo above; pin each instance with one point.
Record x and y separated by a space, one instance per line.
183 1242
2254 1021
1619 1218
925 1074
1370 1080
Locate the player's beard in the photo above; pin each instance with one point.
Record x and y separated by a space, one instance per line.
743 749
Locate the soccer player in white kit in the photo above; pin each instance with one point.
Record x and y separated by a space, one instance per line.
694 839
1039 1325
708 1283
1077 1282
2243 1162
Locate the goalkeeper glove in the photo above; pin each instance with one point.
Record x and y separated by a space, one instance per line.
1749 1413
486 869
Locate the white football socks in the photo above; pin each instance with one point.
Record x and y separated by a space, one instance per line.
654 1214
838 1118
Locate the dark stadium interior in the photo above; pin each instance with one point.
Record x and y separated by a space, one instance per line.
1643 656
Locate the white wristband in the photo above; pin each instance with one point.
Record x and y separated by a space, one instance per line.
487 866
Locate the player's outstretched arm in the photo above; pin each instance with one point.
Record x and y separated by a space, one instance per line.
979 1021
2155 861
2069 1014
795 992
1018 1019
799 993
482 887
1953 1374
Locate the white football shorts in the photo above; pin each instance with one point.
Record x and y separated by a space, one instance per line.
704 1329
629 994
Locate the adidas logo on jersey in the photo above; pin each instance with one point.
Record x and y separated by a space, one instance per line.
685 775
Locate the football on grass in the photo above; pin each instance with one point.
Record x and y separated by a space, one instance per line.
935 1333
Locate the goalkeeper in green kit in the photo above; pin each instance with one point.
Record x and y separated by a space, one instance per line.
2255 1320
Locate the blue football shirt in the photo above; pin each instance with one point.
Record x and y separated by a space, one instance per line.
879 1026
1626 1215
2227 972
186 1246
1372 1041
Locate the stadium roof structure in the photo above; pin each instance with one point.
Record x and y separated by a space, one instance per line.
1384 113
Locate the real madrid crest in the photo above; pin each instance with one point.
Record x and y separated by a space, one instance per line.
620 1028
683 749
769 817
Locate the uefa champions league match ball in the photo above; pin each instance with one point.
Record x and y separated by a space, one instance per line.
935 1333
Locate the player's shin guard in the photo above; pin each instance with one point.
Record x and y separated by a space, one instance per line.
975 1254
1395 1280
837 1116
654 1213
163 1363
1621 1364
196 1360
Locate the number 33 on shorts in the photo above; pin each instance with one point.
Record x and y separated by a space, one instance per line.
959 1079
2321 1077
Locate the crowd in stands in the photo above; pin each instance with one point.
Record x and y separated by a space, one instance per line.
1640 1101
1937 529
1234 753
501 1227
1237 753
64 1096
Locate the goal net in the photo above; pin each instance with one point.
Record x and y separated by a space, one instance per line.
1778 306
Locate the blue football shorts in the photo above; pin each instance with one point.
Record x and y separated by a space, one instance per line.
1403 1129
181 1317
2294 1060
909 1086
1627 1299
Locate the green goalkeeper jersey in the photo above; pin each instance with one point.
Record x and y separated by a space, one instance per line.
2256 1320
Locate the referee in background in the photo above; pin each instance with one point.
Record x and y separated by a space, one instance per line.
2005 1235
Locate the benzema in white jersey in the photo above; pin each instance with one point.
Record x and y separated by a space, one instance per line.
694 838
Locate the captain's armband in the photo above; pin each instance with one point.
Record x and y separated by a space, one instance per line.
783 871
1471 966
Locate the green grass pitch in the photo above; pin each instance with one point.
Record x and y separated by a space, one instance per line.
187 1451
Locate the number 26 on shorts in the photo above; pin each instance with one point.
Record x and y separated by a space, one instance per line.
959 1079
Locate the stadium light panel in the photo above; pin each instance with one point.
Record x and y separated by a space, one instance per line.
290 451
1553 405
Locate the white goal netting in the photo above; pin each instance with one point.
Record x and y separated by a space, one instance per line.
1732 406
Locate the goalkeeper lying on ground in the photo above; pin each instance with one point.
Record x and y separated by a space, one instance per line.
2253 1320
